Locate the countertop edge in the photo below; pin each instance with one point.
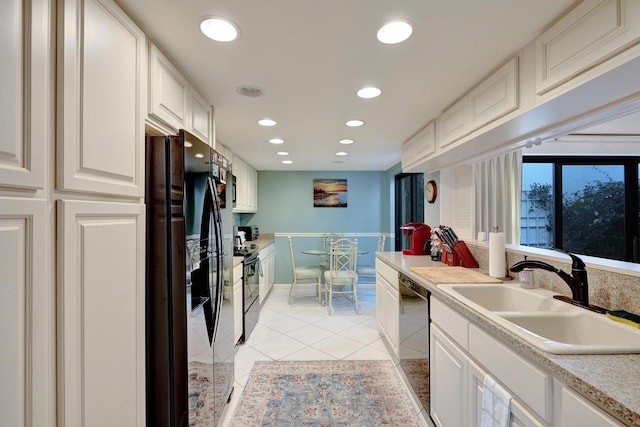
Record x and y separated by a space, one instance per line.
572 370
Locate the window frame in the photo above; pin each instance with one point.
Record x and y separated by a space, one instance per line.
631 165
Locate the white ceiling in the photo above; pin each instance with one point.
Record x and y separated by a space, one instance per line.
310 58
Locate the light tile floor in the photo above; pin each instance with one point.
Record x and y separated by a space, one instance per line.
305 331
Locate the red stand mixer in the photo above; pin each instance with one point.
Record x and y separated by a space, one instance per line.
419 234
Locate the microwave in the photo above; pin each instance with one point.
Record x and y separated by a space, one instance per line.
250 231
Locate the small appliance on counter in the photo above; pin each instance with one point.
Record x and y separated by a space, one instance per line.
420 235
250 231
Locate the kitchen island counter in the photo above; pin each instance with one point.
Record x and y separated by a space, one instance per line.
609 381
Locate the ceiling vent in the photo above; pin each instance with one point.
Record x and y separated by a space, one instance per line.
250 91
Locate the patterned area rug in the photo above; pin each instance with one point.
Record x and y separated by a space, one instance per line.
200 394
324 394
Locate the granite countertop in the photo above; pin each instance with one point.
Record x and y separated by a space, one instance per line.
610 381
263 241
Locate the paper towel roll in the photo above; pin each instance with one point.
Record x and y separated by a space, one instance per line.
497 261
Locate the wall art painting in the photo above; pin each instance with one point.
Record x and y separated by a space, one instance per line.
329 193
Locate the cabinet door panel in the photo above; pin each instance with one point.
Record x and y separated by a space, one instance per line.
101 318
496 96
102 87
201 118
576 411
24 82
26 309
448 382
532 385
453 124
592 32
168 91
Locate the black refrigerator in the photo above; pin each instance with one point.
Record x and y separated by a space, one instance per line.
189 319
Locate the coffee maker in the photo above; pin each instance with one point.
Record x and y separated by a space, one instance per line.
420 236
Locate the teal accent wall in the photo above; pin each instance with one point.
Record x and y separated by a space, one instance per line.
285 205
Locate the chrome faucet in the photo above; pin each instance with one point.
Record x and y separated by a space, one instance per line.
577 280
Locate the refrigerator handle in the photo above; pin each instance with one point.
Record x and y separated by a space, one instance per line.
219 253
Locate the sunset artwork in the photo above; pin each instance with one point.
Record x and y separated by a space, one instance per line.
330 193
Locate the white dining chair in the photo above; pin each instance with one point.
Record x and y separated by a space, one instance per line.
326 243
368 271
341 278
307 274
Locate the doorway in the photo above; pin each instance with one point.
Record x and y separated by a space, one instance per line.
409 204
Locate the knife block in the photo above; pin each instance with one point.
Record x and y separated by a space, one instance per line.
450 258
466 257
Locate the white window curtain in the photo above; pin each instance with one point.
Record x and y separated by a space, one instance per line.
498 185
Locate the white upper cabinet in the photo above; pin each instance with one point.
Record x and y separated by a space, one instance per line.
102 93
174 103
493 98
168 92
587 36
201 118
419 146
453 124
246 187
24 85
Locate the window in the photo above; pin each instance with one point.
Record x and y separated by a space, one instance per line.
586 205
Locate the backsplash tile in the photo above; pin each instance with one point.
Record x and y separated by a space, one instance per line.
614 291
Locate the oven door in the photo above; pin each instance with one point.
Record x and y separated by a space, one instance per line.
414 338
250 293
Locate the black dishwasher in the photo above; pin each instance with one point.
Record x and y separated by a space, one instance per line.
413 347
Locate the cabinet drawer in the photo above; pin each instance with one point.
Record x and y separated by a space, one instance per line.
452 323
532 385
388 273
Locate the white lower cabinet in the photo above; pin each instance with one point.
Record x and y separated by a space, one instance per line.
237 302
573 410
387 303
462 355
456 387
266 280
520 416
101 313
448 381
27 308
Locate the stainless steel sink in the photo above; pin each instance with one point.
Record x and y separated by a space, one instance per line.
551 325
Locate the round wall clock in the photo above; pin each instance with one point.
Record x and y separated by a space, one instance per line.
431 191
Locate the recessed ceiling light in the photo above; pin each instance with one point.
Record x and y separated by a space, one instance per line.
369 92
276 141
341 153
354 123
219 29
394 32
199 155
188 144
282 153
346 141
267 122
287 162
